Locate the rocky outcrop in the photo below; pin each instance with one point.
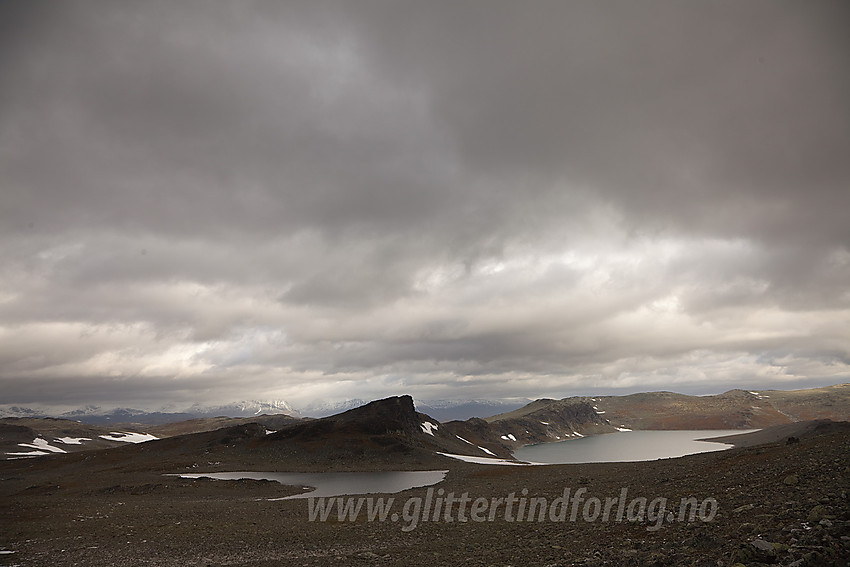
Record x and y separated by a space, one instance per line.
375 430
541 421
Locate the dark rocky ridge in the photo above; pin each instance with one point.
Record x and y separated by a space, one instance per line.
391 425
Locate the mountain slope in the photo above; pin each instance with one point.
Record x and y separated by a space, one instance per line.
380 430
33 437
540 421
735 409
788 432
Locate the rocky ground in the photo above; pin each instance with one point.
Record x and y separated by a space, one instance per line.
777 504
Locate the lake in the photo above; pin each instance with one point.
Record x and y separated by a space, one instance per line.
337 483
626 446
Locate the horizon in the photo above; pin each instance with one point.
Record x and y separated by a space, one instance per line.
346 404
333 200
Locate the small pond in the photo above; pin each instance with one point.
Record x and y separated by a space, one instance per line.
337 483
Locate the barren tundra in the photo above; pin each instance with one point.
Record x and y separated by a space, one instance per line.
776 503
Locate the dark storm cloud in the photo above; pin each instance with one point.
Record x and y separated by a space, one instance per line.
161 117
454 198
715 114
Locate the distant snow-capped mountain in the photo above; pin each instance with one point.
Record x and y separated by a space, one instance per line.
244 409
98 415
442 410
18 411
324 409
99 411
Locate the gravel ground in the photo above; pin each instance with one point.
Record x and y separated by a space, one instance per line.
779 504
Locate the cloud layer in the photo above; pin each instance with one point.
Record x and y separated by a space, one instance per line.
206 201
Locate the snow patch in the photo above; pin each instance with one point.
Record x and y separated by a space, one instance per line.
429 428
129 437
485 460
486 450
509 437
42 445
73 440
28 454
464 440
622 429
545 422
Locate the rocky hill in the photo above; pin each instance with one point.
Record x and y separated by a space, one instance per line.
378 430
270 422
382 433
31 437
735 409
37 436
540 421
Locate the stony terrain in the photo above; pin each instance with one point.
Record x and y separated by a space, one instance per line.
781 503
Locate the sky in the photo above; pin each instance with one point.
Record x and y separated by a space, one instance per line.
209 201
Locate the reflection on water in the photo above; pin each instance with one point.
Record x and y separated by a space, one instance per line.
337 483
626 446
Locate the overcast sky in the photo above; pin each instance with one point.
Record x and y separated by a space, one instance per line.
208 201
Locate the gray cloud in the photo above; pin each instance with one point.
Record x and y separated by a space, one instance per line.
345 199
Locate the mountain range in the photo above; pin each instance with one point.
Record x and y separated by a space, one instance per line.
97 415
444 410
378 427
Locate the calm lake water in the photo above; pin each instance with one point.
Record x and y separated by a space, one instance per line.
626 446
337 483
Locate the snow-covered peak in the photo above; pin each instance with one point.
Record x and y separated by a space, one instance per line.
324 409
244 408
